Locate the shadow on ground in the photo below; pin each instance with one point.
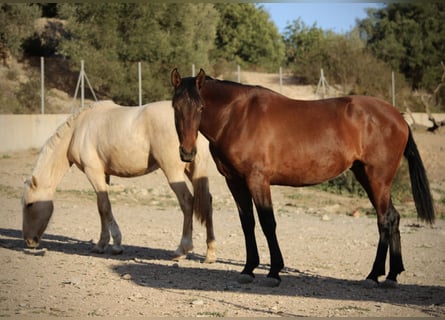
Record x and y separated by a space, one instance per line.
152 267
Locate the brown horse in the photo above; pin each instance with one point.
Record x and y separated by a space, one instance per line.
260 138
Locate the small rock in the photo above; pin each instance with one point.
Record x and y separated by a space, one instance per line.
355 214
197 302
325 217
127 276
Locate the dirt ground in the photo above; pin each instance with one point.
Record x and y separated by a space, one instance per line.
328 251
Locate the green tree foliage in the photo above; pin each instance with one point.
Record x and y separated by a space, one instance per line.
304 52
410 37
113 37
344 59
16 24
246 36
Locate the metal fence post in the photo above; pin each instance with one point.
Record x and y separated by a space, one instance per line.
42 85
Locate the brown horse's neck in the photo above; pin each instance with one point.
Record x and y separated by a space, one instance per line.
218 98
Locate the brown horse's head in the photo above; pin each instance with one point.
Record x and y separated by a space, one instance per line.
37 210
188 107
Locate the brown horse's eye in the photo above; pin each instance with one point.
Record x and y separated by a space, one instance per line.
29 205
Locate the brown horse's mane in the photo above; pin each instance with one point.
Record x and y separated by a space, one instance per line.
240 88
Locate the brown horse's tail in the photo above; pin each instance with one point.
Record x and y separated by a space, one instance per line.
419 182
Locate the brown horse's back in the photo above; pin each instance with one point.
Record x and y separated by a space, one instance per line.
327 136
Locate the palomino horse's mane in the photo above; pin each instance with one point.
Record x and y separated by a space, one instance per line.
52 142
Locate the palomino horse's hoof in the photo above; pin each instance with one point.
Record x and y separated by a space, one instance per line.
370 284
245 278
210 258
115 250
178 257
97 249
389 284
270 282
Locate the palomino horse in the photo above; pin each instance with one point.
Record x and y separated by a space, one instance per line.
108 139
260 138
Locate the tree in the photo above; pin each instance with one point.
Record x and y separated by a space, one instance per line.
16 24
410 37
304 54
343 57
246 35
113 37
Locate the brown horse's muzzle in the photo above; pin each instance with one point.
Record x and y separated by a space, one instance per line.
187 156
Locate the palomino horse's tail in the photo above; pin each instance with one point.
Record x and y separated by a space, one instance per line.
202 199
419 182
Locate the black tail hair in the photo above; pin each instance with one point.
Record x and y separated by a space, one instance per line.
420 186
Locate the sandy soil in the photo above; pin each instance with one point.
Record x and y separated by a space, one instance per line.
327 253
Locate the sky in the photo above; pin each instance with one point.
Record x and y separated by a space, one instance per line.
338 16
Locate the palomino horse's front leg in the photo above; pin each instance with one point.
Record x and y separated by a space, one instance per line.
185 200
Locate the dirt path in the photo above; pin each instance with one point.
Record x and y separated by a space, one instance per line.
327 253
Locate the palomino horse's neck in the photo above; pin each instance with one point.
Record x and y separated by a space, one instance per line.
53 160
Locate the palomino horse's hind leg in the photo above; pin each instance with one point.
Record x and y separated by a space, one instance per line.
211 242
108 225
185 200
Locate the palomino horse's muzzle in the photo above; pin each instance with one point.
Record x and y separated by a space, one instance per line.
187 156
32 243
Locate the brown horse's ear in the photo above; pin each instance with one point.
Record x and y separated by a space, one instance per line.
200 79
175 78
33 182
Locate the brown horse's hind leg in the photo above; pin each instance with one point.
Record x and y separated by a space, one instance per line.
395 248
388 225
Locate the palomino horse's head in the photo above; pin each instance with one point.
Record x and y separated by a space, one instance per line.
37 210
188 107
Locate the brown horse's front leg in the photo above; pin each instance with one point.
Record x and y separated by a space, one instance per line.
243 200
260 190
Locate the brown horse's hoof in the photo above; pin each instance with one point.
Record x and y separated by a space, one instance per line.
245 278
391 284
270 282
370 284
